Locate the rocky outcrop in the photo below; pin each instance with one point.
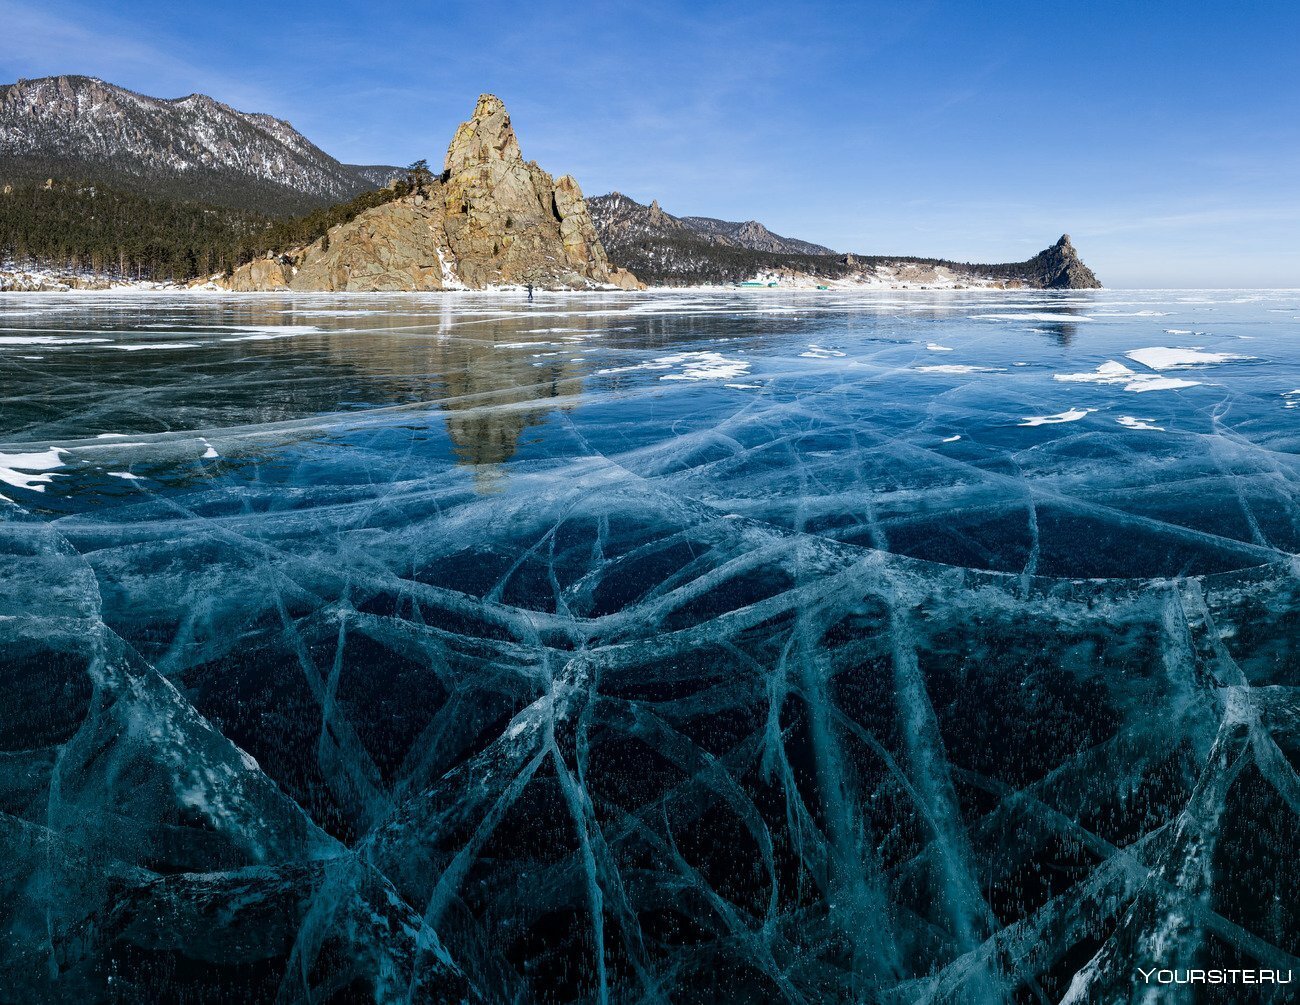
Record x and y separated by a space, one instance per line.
260 274
491 218
1060 268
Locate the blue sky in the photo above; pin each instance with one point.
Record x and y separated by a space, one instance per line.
1165 137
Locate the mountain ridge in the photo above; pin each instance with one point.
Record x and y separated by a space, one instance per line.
663 249
195 148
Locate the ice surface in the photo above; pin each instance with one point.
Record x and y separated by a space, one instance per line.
413 668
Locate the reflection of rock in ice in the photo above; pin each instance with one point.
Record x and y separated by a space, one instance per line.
493 396
483 375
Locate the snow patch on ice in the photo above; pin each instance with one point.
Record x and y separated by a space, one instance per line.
47 340
1035 316
960 368
817 352
1134 422
1069 415
155 345
1113 372
1170 358
694 366
17 469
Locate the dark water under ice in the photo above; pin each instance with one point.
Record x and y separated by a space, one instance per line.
925 647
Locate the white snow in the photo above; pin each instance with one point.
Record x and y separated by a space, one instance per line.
817 352
708 366
47 340
1113 372
155 345
15 468
1031 316
695 366
1134 422
960 368
1169 358
1070 415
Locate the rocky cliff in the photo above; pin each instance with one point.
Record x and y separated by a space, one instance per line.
490 218
1060 268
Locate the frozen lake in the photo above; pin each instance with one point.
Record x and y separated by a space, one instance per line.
900 647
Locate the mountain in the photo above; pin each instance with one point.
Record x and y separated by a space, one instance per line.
193 148
753 235
1060 268
622 220
490 218
663 249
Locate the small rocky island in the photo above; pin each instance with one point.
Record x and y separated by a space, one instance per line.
491 218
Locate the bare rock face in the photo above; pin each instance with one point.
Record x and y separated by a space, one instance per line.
397 247
260 274
1059 267
491 218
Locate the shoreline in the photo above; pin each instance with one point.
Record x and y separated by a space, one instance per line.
62 286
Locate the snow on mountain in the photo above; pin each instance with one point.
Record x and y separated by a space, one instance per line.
193 147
